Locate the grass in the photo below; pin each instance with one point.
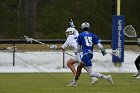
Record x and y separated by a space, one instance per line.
56 83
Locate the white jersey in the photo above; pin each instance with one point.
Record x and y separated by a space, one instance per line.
72 42
76 33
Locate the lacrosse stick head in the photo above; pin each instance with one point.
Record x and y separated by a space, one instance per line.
115 52
11 48
129 31
72 24
28 39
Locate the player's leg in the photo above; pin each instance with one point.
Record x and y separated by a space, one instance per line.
94 79
78 72
70 64
98 75
137 64
78 58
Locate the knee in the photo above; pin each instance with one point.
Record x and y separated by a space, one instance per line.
69 63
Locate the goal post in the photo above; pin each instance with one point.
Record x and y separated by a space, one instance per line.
117 32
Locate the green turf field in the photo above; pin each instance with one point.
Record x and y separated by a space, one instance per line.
56 83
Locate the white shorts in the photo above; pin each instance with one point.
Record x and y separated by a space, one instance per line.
78 57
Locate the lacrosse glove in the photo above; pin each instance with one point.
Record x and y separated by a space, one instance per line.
53 46
103 52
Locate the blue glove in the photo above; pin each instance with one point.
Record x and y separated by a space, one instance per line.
103 52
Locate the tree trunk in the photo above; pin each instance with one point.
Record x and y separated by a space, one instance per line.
30 16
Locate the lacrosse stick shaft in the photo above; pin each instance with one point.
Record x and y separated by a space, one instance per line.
41 42
69 54
115 52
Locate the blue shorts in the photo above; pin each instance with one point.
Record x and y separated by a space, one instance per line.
87 59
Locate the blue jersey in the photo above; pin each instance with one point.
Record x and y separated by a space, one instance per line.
87 40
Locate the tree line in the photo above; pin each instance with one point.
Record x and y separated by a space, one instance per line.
48 19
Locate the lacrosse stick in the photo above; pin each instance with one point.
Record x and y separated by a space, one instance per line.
114 52
31 40
129 31
69 54
9 48
28 39
72 24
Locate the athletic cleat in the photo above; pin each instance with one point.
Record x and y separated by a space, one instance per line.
94 80
136 75
72 84
110 79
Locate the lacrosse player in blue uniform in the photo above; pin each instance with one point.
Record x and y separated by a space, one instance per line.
86 41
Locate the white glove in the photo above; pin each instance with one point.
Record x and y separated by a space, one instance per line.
53 46
10 48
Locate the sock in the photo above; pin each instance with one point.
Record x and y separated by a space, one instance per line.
74 80
92 73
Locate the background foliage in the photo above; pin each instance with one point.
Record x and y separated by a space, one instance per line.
49 19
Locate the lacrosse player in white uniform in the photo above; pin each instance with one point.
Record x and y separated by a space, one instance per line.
72 34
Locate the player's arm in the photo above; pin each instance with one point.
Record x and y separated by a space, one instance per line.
97 41
65 45
55 47
100 46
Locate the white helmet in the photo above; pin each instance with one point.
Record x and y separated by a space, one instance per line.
85 25
69 31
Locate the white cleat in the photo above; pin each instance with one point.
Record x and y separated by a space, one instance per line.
72 84
94 80
110 79
138 77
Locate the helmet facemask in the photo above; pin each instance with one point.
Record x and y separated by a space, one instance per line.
69 31
85 25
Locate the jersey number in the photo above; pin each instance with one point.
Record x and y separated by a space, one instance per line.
88 41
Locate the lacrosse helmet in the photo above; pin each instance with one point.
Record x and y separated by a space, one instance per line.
85 25
69 31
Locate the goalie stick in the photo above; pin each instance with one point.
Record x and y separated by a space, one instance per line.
130 31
